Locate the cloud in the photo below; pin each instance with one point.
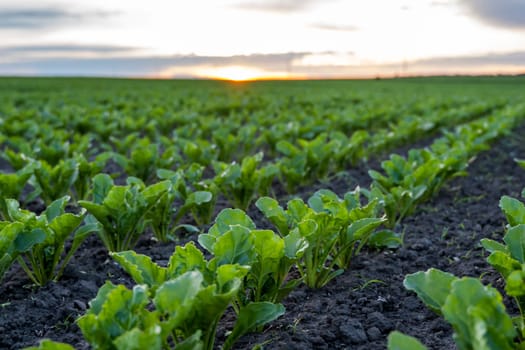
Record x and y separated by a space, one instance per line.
59 51
334 27
12 18
143 66
266 60
65 48
299 64
487 64
516 58
348 64
279 6
440 3
37 18
502 13
328 58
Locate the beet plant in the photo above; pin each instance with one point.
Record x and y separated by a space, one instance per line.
198 197
349 151
335 230
55 181
198 150
40 241
121 210
17 160
143 159
11 186
86 171
406 183
241 183
358 223
306 161
14 240
164 216
476 312
234 239
190 296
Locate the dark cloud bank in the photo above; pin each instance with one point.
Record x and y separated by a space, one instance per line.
502 13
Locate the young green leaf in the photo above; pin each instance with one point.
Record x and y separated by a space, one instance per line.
515 240
86 171
432 287
251 317
385 239
514 210
175 298
503 263
478 316
140 267
10 233
234 247
137 339
400 341
223 223
492 246
115 311
515 283
275 213
186 258
47 344
11 186
102 183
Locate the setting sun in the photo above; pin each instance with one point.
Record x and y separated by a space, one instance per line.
241 73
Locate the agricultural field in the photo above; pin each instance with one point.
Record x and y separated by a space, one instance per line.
274 214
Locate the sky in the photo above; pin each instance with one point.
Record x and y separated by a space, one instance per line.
256 39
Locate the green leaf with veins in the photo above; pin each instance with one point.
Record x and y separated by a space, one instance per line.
514 210
432 287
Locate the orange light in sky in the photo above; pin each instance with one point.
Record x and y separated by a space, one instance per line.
242 73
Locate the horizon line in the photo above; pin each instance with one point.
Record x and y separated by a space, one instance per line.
269 79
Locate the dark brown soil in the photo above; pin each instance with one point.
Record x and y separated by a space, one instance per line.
357 310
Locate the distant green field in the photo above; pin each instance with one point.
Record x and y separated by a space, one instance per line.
97 86
46 100
202 122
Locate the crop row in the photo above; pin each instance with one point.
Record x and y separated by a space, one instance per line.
476 312
257 120
56 168
404 185
180 305
50 137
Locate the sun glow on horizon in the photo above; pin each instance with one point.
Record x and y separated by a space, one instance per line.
242 73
